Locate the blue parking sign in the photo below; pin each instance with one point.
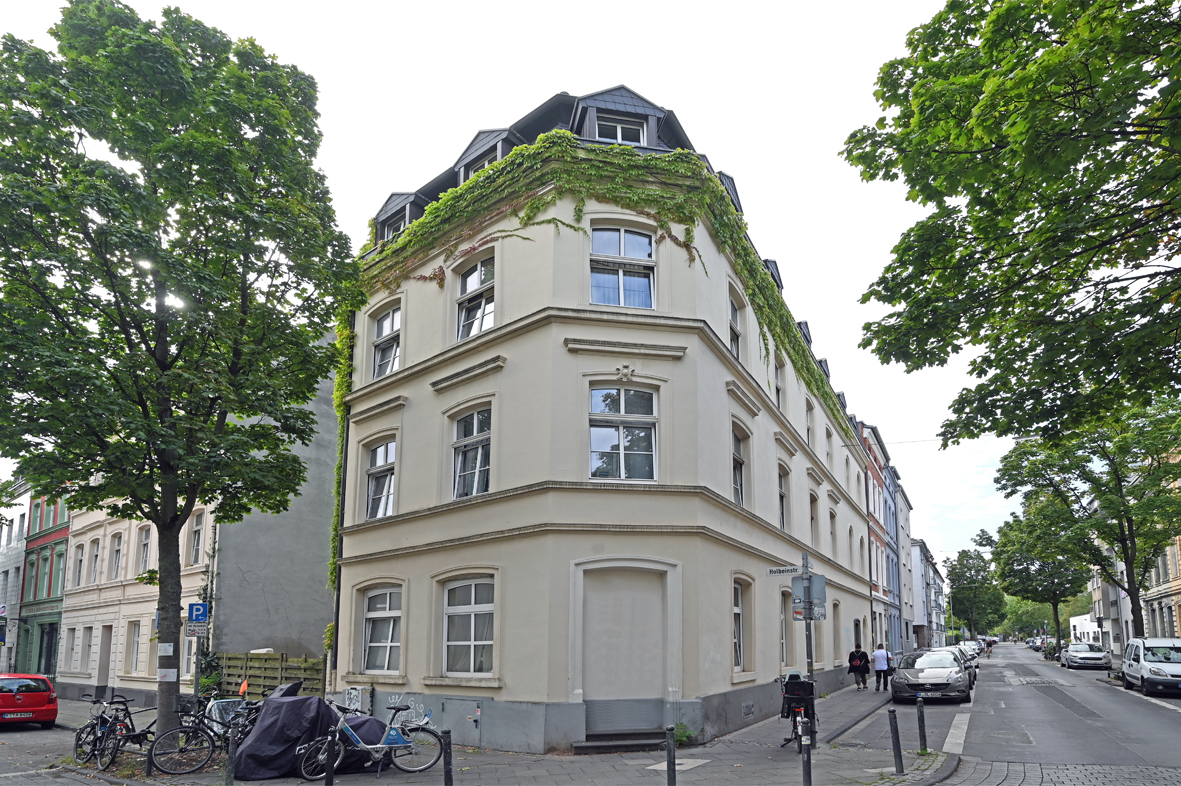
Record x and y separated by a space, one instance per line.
198 612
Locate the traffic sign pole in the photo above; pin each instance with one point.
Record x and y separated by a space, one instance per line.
808 615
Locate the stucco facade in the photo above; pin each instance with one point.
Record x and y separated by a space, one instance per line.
14 521
499 565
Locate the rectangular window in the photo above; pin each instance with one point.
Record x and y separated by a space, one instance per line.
387 342
735 333
116 555
59 571
477 309
620 131
827 448
381 479
131 662
69 661
473 446
145 549
615 282
44 593
469 627
80 557
779 386
87 642
392 228
739 465
783 480
30 579
623 434
186 663
198 531
481 163
738 653
383 630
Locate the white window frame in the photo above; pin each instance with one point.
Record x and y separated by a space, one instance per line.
87 649
95 547
387 338
622 264
145 549
483 162
735 331
809 421
80 550
196 534
186 662
619 421
784 498
392 227
738 632
132 661
116 555
738 465
44 579
385 453
481 443
778 386
394 645
620 123
481 297
71 636
470 610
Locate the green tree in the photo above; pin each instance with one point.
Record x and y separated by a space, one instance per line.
1109 491
975 597
1034 561
1043 136
1023 617
169 270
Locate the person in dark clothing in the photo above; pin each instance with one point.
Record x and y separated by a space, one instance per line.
859 666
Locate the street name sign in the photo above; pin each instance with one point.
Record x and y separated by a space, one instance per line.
792 570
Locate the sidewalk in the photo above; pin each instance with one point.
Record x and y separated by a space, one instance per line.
72 714
752 755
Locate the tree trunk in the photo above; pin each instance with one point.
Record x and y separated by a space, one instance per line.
169 631
1057 624
1137 609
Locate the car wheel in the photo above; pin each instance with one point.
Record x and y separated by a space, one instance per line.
1127 685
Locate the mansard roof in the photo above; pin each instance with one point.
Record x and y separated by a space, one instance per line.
485 139
622 98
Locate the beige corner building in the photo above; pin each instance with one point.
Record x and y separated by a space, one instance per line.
569 468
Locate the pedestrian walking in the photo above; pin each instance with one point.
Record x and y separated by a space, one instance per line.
882 666
859 666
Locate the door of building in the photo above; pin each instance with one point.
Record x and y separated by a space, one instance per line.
102 675
47 652
623 644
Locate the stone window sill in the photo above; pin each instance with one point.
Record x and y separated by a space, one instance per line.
743 676
383 679
464 682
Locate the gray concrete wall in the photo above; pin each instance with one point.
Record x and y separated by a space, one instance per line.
272 570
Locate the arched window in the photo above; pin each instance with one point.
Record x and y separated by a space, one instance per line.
862 553
383 630
832 533
814 519
838 646
809 417
850 548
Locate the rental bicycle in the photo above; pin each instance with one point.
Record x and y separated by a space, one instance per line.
410 745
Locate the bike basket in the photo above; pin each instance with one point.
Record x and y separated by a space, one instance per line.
800 689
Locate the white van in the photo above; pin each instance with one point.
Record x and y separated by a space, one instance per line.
1153 664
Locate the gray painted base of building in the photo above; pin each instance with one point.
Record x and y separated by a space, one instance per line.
540 727
73 691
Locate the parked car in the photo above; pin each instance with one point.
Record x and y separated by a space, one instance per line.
1083 655
937 674
27 698
1152 664
964 661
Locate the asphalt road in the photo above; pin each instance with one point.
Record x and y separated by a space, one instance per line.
26 746
1026 709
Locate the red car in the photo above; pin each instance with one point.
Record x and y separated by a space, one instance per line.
27 698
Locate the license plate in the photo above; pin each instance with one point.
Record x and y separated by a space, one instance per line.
18 715
929 695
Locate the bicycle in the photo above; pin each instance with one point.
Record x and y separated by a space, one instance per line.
88 734
410 745
189 747
105 735
798 704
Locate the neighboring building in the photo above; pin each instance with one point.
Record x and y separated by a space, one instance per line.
905 568
929 611
13 522
885 610
1111 609
560 509
1085 629
41 589
1162 596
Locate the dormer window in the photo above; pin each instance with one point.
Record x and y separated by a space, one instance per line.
620 131
392 228
483 162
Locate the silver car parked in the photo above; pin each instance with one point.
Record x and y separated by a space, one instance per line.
1083 655
937 674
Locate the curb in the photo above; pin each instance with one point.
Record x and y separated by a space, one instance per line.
945 771
66 726
99 776
844 727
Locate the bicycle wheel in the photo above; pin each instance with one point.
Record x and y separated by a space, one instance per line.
84 740
426 748
107 749
182 750
314 761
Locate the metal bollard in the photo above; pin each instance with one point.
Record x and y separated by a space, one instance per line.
330 762
231 754
898 768
922 726
448 766
670 754
806 751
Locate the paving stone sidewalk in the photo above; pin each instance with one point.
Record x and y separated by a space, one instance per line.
974 772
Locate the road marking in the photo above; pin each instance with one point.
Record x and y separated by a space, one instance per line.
1165 704
956 734
681 764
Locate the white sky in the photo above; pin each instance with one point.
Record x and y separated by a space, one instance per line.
768 91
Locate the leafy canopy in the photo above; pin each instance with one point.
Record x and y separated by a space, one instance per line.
975 597
169 266
1107 493
1044 138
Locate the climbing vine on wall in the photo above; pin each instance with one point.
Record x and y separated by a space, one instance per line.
670 189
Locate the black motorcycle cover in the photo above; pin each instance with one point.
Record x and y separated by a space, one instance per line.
283 725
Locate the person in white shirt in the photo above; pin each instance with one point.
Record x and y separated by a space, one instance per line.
882 661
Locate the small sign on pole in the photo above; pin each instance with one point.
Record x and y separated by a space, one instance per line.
196 629
198 612
792 570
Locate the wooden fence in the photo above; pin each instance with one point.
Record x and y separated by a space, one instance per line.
264 671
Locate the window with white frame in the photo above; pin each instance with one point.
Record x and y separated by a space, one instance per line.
469 610
738 632
814 519
94 561
116 555
477 308
784 490
809 416
186 662
59 571
779 386
131 660
30 579
196 538
832 532
473 448
383 630
44 575
381 480
622 433
620 130
145 549
87 647
483 162
735 333
71 635
393 227
387 342
828 447
79 562
738 464
621 267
